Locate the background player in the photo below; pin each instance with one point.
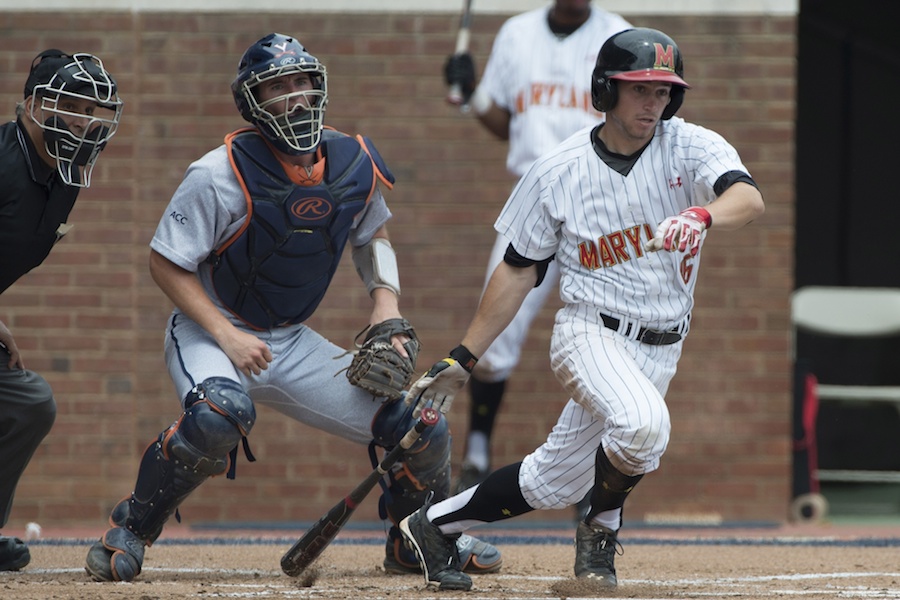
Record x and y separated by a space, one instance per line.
246 250
70 111
552 49
623 208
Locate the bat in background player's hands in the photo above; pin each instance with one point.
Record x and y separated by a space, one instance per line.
681 232
459 73
442 382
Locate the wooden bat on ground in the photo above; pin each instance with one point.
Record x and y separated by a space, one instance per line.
309 547
455 96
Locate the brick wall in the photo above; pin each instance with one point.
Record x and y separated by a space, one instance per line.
91 320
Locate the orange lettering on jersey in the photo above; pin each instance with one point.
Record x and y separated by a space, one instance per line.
618 248
686 268
617 242
588 252
568 98
536 90
665 58
606 254
633 234
520 103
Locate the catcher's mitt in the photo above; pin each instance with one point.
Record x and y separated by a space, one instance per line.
377 367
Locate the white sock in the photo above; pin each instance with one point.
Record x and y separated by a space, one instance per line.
608 518
478 453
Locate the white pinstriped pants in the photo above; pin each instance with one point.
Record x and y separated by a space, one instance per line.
617 389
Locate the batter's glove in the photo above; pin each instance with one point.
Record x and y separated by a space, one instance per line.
460 69
683 231
377 367
442 381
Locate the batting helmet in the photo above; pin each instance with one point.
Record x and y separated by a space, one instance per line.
638 55
55 81
292 126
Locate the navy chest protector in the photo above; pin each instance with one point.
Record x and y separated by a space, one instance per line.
275 270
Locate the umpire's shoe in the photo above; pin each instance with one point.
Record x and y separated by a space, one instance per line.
595 553
437 553
475 556
14 553
118 556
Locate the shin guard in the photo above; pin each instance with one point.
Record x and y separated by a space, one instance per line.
425 466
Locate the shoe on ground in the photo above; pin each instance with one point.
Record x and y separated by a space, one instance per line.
595 553
14 554
437 553
118 556
475 556
469 476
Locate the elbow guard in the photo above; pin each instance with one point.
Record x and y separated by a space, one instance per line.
514 259
376 264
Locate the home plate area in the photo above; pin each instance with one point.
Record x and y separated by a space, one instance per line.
699 562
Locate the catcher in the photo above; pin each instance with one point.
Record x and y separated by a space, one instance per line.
246 250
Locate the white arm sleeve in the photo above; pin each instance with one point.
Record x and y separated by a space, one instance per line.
376 264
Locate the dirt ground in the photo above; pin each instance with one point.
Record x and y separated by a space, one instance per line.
745 568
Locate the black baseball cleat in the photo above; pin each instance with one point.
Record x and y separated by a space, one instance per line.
595 553
437 553
14 554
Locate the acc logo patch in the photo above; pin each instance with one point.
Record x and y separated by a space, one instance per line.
311 209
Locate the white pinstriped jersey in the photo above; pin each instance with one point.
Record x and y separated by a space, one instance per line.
545 82
596 221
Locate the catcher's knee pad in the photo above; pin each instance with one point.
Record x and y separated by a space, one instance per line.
425 466
217 414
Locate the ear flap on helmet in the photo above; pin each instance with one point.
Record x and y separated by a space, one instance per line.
676 97
604 93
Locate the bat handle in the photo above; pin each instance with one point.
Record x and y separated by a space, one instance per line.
455 95
428 418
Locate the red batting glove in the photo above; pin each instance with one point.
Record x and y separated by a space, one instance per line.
683 231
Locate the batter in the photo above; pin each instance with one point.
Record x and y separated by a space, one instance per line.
623 208
535 92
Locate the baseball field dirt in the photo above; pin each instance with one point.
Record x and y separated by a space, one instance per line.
784 562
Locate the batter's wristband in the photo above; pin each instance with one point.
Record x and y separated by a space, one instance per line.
701 213
465 358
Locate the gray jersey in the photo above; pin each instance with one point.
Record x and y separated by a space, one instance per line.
209 206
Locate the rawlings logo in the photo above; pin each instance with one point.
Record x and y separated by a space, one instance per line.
311 209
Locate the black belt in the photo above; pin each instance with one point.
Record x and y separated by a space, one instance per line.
646 336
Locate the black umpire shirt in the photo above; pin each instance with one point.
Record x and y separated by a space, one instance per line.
34 202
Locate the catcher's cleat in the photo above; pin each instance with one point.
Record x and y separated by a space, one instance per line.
118 556
595 553
437 553
475 556
14 554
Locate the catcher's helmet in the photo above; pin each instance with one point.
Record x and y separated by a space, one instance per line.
56 81
638 55
294 127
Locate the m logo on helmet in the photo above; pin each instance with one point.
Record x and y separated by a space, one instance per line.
665 57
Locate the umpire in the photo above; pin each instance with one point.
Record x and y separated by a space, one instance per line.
70 110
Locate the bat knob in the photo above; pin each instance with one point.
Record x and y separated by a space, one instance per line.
429 416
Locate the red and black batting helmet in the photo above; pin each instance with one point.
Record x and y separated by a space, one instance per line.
640 54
